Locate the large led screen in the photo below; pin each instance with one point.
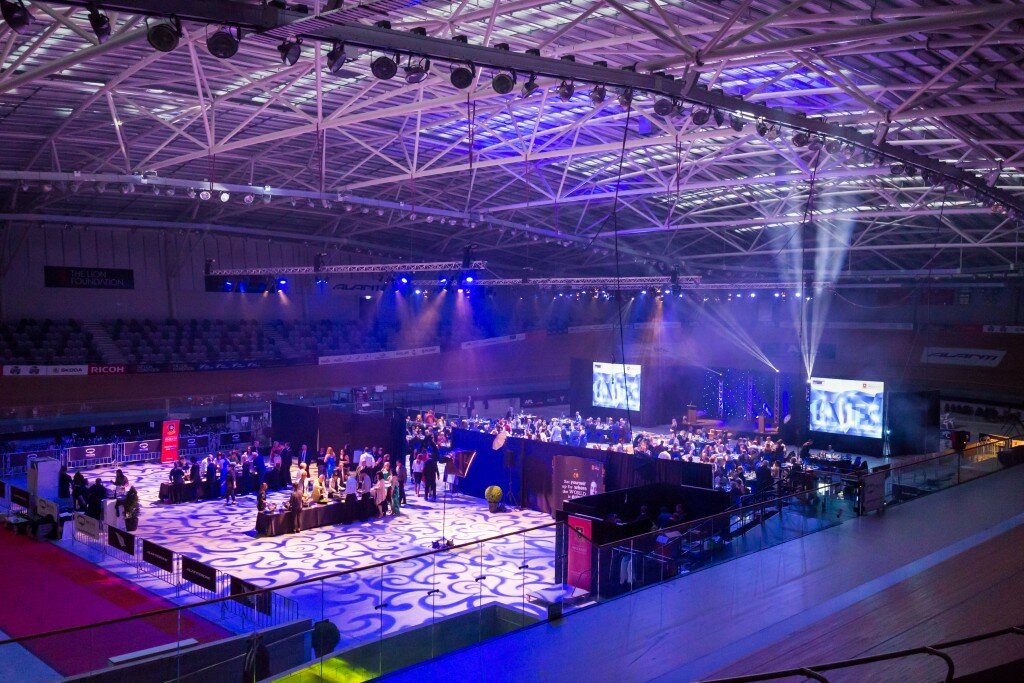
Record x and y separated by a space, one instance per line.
616 386
847 406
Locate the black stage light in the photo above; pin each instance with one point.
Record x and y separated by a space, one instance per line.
663 107
416 72
814 144
336 58
530 86
100 25
504 82
384 68
800 139
16 15
462 76
833 146
223 43
736 122
566 90
598 94
626 98
291 51
719 117
700 116
163 36
762 128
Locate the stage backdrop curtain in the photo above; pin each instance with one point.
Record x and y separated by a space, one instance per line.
294 423
337 428
532 473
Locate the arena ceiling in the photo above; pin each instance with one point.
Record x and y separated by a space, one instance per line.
419 171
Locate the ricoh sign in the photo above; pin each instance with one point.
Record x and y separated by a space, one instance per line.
982 358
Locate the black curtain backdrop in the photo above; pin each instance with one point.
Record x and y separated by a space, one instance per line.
532 471
294 423
913 420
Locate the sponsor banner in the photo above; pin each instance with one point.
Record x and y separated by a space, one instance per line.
236 439
197 573
46 370
157 555
575 477
548 398
169 441
229 365
142 447
590 328
89 278
493 340
858 326
84 524
190 442
121 540
579 569
379 355
108 369
1004 329
982 358
79 453
239 589
46 507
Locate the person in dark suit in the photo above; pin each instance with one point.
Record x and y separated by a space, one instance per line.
64 483
259 466
212 483
261 498
195 473
430 477
177 478
286 464
94 500
295 504
79 486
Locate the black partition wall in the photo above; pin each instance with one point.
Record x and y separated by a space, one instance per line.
323 426
530 465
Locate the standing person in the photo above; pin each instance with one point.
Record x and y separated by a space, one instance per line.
329 462
398 485
469 406
304 455
246 481
229 485
261 498
286 462
222 463
259 466
295 505
79 485
380 494
212 483
64 483
177 483
94 497
430 477
418 458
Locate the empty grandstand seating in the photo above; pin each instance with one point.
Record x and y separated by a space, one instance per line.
48 342
192 341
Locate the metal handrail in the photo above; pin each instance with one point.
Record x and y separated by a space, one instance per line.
815 671
270 589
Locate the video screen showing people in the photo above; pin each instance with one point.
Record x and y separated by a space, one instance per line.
616 386
847 406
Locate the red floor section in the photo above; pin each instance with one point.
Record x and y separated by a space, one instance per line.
47 588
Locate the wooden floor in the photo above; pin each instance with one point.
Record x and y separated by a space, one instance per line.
976 591
871 584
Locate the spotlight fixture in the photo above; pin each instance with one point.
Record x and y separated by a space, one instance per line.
719 117
833 146
530 86
598 94
896 169
163 36
16 15
248 198
736 122
663 107
384 68
190 193
223 43
626 98
566 90
266 199
462 76
225 196
700 116
290 51
762 129
416 72
100 25
814 144
205 195
800 139
336 58
156 190
127 188
504 82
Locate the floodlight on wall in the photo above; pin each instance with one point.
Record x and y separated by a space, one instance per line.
223 43
163 36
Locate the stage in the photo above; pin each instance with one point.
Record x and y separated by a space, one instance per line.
416 590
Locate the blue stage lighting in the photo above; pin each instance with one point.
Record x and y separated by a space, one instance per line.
469 279
282 282
404 280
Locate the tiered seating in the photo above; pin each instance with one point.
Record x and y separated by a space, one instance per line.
46 342
328 337
191 341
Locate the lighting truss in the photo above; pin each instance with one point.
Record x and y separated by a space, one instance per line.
689 282
354 269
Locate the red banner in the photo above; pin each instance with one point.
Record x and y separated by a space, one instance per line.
579 570
169 441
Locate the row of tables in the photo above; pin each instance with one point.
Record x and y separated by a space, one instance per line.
316 515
